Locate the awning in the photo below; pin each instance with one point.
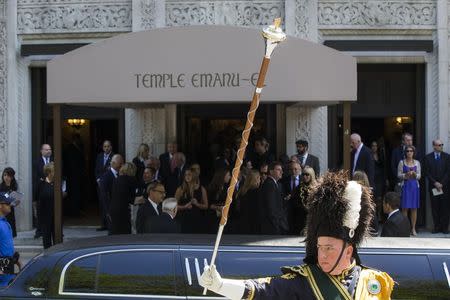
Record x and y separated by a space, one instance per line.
198 64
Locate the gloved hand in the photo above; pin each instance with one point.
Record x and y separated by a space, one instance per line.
211 279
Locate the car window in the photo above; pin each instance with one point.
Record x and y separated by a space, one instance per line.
256 265
141 273
80 276
124 272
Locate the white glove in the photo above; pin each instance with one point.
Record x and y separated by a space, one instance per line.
211 280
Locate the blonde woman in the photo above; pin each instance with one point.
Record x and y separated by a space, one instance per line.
143 154
299 200
123 194
248 203
409 172
192 200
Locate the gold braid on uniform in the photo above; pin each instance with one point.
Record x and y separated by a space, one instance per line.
341 277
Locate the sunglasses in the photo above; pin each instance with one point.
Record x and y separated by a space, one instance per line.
409 151
306 174
162 192
440 145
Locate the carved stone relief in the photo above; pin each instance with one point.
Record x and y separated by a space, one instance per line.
153 131
144 14
238 13
73 16
377 13
3 88
302 18
298 126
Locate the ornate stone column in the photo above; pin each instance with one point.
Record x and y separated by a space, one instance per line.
306 122
147 125
15 113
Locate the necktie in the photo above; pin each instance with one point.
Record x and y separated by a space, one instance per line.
293 183
438 156
105 159
301 160
46 160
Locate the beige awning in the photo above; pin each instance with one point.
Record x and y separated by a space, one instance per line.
198 64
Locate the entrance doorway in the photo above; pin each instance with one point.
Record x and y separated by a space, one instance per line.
205 131
79 207
391 101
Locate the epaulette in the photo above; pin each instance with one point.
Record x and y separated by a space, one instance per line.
300 270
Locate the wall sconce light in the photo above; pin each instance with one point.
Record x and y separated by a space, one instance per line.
403 120
76 123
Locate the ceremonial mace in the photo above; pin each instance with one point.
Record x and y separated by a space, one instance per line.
272 35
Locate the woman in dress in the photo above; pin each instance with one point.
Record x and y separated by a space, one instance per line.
46 206
8 185
139 161
247 197
408 171
300 197
217 194
192 199
123 195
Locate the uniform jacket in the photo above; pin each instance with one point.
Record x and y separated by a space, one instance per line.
300 283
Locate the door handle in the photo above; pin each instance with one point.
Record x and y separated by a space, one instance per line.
188 270
447 275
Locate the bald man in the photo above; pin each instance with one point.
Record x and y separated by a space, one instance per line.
361 159
105 186
437 172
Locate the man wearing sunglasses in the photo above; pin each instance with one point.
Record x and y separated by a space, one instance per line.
8 258
151 207
437 171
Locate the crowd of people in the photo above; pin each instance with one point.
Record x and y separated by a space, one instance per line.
167 194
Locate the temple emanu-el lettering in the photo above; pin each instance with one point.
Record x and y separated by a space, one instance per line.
159 71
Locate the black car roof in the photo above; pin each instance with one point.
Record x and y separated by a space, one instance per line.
237 240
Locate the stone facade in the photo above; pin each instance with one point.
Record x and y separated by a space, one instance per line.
315 20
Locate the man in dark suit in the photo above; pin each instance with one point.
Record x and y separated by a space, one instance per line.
105 186
307 159
166 161
361 158
38 176
396 224
151 207
261 154
103 160
165 222
154 162
437 169
290 185
272 211
175 177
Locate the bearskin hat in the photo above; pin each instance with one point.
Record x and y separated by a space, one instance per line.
338 208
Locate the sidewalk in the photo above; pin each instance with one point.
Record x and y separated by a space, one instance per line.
26 238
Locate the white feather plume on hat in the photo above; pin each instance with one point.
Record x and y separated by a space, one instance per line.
352 194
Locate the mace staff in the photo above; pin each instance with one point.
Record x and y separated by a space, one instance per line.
272 35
